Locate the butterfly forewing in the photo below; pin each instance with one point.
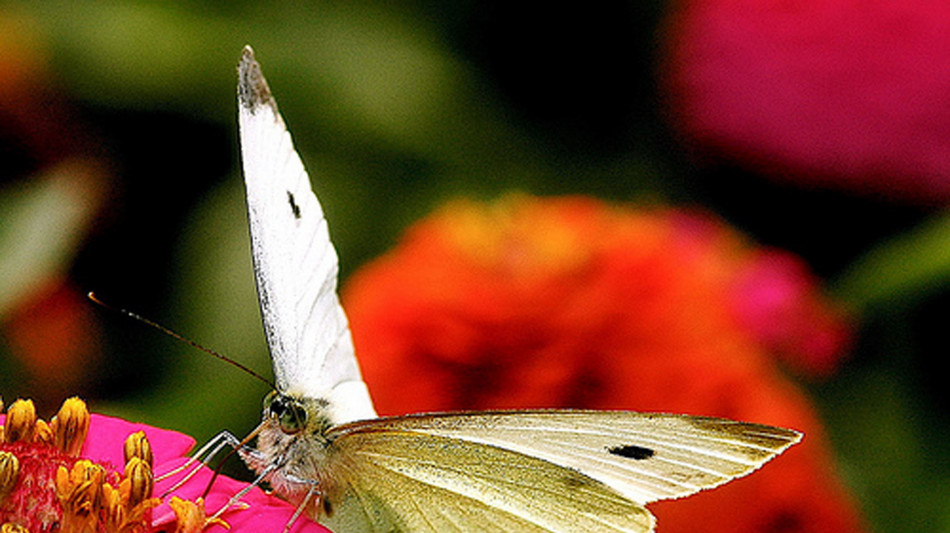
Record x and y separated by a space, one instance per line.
392 480
644 456
294 261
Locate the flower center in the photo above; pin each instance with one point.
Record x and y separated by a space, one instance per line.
46 486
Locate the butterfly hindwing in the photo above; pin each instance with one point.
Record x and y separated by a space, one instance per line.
394 480
643 456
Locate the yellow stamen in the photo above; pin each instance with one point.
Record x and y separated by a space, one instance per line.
139 476
192 517
96 474
42 432
9 469
113 508
80 494
122 514
91 498
137 445
21 421
70 426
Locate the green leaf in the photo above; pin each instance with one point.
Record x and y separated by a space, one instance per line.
903 269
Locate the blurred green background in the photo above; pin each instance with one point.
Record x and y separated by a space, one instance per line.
395 108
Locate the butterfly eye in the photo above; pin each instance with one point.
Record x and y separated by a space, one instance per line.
293 418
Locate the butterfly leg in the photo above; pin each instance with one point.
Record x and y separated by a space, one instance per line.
234 500
313 492
204 456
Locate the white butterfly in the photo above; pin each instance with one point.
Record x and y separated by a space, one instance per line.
321 445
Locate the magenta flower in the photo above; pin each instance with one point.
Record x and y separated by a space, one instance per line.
773 297
772 294
834 93
68 476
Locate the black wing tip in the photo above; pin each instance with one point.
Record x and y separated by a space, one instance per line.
253 91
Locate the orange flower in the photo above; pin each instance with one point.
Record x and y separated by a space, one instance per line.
573 303
53 335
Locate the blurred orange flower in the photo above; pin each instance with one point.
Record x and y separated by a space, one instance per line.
54 336
571 302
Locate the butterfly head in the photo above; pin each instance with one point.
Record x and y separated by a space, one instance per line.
292 442
292 446
293 415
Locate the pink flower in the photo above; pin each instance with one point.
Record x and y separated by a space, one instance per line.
822 92
773 297
45 470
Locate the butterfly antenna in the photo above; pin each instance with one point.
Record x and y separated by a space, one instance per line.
92 296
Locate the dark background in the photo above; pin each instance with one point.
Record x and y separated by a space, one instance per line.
397 107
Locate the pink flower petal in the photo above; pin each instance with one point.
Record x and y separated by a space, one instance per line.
265 512
107 438
774 296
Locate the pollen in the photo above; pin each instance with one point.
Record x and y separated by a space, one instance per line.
138 480
42 432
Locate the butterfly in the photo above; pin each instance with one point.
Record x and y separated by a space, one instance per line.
321 445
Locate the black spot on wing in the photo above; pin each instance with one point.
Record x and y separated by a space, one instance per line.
293 204
631 451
